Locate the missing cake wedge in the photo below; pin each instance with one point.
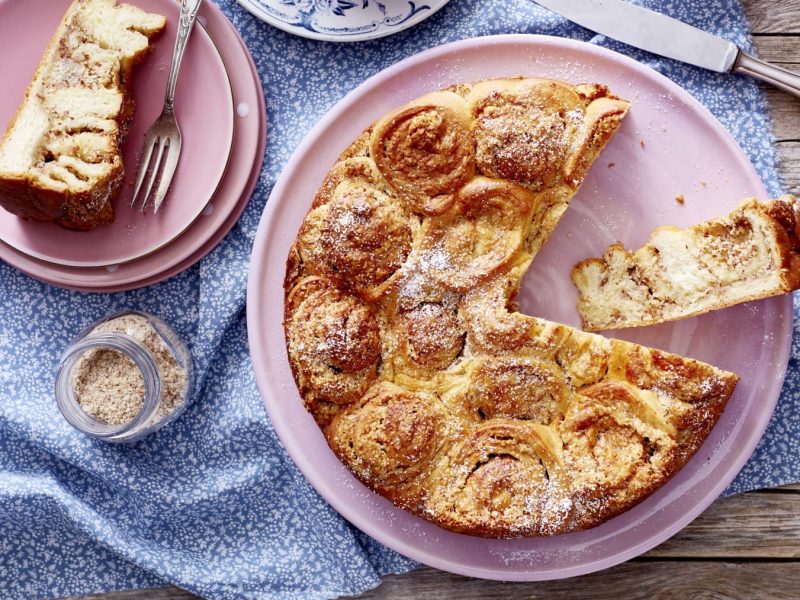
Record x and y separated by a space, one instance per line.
750 254
60 156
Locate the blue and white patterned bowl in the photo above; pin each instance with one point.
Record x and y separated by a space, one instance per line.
342 20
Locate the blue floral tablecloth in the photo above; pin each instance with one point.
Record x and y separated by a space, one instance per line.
212 503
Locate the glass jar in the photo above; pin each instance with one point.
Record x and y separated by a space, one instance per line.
130 367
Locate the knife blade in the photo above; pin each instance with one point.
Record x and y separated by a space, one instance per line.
657 33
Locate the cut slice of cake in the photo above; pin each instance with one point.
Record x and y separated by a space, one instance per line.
60 158
752 253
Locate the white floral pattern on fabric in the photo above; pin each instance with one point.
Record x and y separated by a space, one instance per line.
212 503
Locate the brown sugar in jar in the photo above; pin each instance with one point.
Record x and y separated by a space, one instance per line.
126 376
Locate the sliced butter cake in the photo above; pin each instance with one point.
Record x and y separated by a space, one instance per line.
406 346
60 158
752 253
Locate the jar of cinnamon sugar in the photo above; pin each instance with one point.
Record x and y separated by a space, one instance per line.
124 377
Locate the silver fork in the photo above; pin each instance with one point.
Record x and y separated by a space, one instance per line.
164 135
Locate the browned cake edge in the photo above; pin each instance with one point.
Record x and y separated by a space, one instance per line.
694 429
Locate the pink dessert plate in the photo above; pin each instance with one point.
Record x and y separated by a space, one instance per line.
218 216
668 145
204 107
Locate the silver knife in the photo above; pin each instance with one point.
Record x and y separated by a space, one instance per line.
660 34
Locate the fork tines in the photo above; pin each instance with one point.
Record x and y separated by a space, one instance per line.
155 174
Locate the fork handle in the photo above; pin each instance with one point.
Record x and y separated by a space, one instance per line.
189 10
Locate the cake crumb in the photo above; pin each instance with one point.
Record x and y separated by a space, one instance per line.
641 143
680 199
611 165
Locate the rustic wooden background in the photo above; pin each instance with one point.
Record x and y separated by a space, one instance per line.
746 546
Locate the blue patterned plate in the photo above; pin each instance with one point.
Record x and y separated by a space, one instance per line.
342 20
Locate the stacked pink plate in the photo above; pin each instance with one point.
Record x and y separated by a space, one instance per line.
220 106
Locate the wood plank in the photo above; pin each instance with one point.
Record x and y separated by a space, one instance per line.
779 49
652 580
789 165
773 16
785 108
756 525
785 112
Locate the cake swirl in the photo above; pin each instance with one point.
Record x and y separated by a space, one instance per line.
334 341
479 235
391 435
525 388
361 237
425 150
405 341
506 477
615 444
495 328
434 334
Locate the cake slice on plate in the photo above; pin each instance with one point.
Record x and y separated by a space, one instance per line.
752 253
60 157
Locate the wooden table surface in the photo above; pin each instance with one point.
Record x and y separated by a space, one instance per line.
745 546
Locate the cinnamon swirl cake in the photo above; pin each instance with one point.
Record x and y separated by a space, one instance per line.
404 340
752 253
60 157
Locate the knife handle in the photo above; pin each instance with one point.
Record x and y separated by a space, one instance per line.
758 69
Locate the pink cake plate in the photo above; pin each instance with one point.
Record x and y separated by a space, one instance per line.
668 145
218 216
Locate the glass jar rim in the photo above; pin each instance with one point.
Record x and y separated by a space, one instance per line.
134 350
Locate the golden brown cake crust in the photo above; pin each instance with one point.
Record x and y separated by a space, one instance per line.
81 211
405 344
